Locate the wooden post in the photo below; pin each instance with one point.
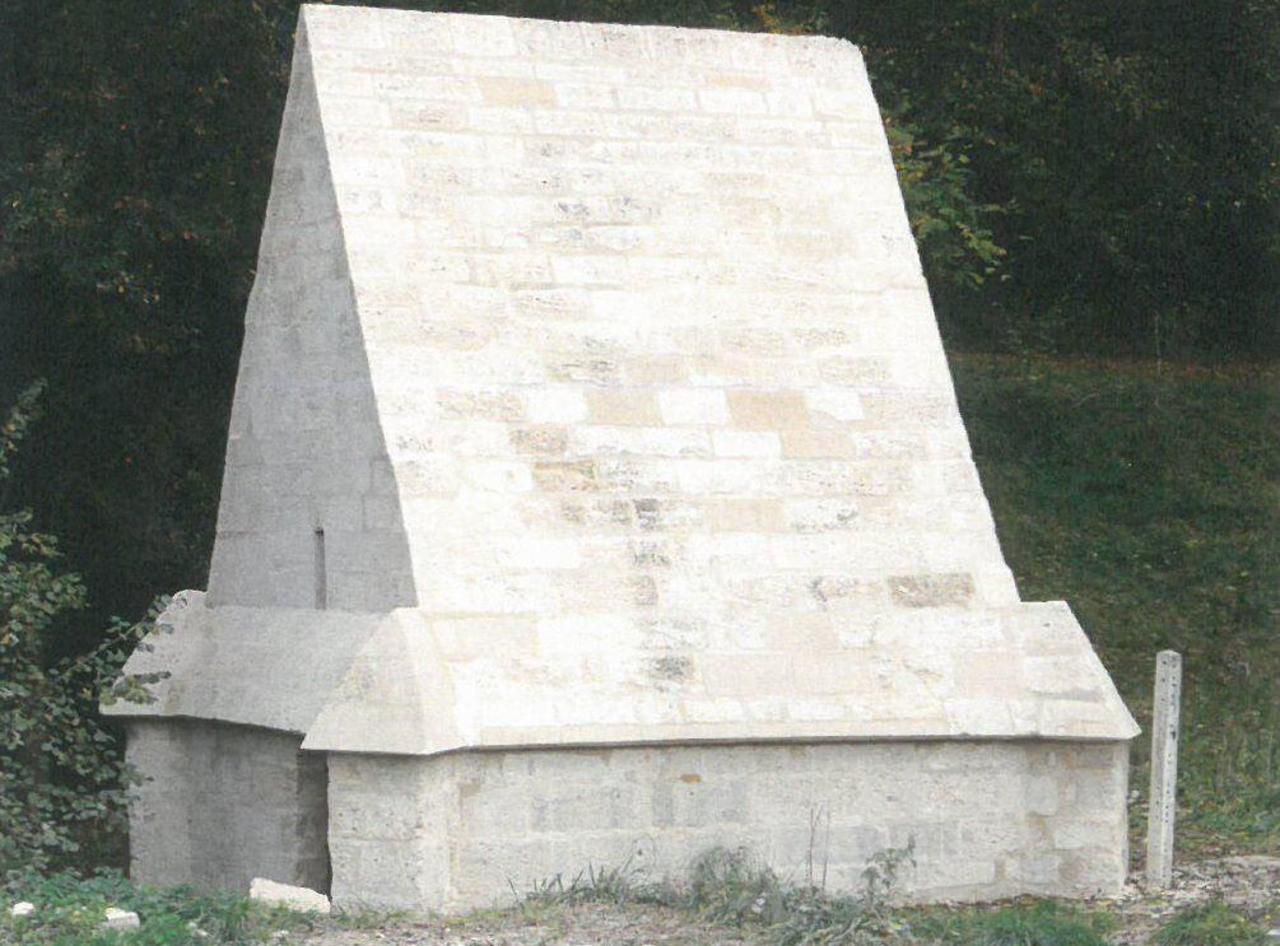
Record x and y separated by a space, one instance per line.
1163 796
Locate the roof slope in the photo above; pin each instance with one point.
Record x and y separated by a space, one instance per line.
640 318
407 684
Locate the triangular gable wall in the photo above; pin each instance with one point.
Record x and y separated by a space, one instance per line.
309 514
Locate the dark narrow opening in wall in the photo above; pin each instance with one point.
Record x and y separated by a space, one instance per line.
322 578
314 868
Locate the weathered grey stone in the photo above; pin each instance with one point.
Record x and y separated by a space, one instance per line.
1163 796
224 804
595 470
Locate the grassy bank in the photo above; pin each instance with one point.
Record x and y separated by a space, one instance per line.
1149 497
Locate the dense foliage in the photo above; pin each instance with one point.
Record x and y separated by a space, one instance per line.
62 777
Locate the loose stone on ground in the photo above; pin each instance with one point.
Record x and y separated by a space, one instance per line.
301 899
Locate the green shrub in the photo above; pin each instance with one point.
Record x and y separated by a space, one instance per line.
63 780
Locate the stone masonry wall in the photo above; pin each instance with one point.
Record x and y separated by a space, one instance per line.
647 328
224 804
988 819
305 450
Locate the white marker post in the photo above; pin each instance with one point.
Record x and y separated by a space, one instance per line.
1163 797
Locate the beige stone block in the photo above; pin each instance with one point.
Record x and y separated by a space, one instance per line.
516 91
732 99
655 370
598 515
639 475
542 440
755 341
571 476
427 116
744 515
493 404
800 632
768 410
931 591
817 672
644 441
743 674
657 98
989 673
848 593
583 370
615 407
823 515
809 443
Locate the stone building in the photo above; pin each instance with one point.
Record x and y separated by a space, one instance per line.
596 494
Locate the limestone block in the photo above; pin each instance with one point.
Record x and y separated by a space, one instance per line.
300 899
116 919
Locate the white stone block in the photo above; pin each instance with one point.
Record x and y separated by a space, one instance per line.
301 899
746 443
117 919
22 908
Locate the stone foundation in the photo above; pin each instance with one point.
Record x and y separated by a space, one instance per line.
989 820
223 804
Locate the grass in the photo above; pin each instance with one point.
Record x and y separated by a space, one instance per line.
69 911
734 888
1041 923
1149 498
1212 925
729 889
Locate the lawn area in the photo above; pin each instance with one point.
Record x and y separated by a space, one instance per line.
1148 496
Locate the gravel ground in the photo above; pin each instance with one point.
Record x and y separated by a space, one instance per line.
1249 884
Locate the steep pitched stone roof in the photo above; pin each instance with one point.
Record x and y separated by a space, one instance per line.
600 362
